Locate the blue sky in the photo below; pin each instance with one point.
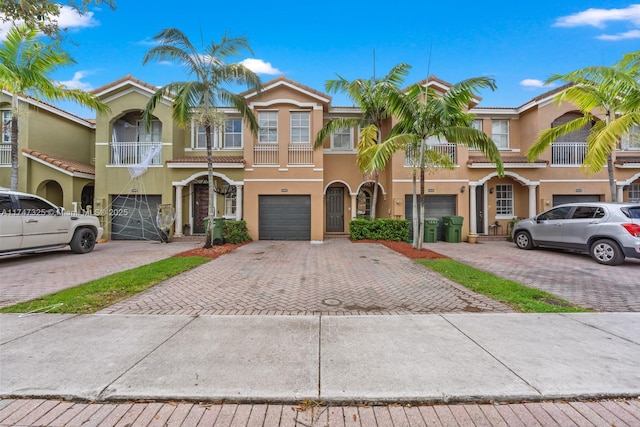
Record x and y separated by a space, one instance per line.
519 44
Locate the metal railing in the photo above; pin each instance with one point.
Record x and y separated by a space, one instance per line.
5 154
300 154
132 153
568 153
450 149
265 154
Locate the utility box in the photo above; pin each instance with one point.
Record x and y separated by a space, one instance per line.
453 228
431 230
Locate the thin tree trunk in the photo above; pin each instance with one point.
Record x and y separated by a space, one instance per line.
421 198
14 151
612 181
208 243
416 228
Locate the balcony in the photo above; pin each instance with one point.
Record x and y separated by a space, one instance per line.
265 154
5 154
135 153
300 154
568 153
445 148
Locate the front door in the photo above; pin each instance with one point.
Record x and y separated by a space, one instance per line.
335 210
479 209
200 207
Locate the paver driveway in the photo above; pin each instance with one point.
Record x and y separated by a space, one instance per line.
336 277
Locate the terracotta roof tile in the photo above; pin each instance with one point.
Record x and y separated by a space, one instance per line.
293 82
72 166
126 78
203 159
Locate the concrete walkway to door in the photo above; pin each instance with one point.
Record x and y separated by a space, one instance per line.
337 277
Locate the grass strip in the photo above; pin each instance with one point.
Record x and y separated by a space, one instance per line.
97 294
519 297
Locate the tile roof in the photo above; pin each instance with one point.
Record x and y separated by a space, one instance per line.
622 159
505 159
127 78
72 166
292 82
203 159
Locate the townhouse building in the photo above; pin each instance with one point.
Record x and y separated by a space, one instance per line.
275 180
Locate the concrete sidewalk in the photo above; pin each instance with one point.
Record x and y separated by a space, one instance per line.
333 359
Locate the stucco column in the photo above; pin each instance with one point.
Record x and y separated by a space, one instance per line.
354 206
473 210
239 188
620 193
178 220
532 200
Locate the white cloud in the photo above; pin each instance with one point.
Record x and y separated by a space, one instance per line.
633 34
71 19
599 17
259 66
76 81
534 83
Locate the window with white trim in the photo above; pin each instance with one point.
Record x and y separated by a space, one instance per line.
342 139
6 126
201 140
500 133
154 134
233 133
230 201
634 193
504 199
268 122
300 132
363 203
631 141
476 124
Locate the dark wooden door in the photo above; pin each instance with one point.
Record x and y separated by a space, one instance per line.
200 207
335 210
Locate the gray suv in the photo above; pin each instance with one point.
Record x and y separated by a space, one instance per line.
29 223
609 232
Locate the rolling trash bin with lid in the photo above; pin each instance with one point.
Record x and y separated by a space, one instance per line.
431 230
218 228
453 228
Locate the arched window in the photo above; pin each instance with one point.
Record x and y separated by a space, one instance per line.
364 203
577 136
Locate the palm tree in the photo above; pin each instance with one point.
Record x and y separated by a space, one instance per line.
613 91
423 114
200 100
373 97
24 69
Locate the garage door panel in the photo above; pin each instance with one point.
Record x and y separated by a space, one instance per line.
560 199
133 217
285 217
434 207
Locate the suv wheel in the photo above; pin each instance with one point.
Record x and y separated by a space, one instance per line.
523 240
84 240
607 252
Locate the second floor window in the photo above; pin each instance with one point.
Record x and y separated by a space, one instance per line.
230 137
268 122
154 134
342 140
300 127
6 126
631 141
500 133
504 199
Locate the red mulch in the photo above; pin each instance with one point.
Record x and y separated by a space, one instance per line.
406 249
403 248
213 252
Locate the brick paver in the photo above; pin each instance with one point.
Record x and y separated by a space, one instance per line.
24 412
337 277
574 277
25 277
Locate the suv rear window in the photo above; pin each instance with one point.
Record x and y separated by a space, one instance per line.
633 212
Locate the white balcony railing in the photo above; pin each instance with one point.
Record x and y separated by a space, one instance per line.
265 154
568 153
5 154
446 148
134 153
300 154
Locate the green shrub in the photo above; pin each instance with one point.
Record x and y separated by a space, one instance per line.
235 231
379 229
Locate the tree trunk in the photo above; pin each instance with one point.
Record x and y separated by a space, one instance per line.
612 181
421 197
14 151
416 228
208 243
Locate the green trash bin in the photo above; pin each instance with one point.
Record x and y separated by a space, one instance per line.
431 230
453 228
218 228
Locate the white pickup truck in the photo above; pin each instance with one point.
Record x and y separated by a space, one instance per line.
29 224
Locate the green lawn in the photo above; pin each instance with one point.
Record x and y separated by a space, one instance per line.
101 293
519 297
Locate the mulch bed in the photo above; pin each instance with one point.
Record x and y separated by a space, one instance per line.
403 248
406 249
